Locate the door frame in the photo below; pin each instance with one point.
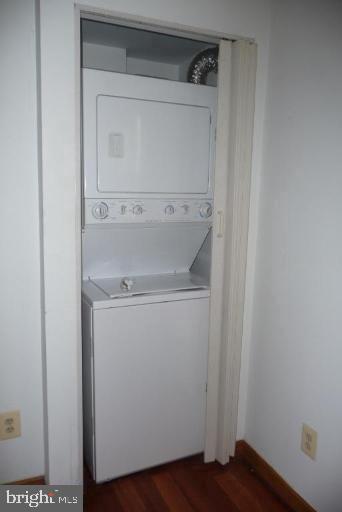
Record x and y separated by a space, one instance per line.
60 135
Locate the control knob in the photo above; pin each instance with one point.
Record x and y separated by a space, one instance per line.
100 210
169 209
205 210
137 209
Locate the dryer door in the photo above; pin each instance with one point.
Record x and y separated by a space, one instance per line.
147 137
152 147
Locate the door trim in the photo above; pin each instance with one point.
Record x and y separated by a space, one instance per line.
155 25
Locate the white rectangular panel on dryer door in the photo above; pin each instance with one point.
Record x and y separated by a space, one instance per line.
152 147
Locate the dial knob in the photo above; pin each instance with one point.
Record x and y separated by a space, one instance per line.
100 210
137 209
205 210
169 209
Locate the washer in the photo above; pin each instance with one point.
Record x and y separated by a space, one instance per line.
145 367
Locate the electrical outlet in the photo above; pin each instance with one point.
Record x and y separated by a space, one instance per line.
10 425
309 441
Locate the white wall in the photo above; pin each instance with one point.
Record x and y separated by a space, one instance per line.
20 326
295 367
152 68
107 58
110 58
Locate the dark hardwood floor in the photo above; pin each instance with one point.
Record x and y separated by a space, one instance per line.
187 485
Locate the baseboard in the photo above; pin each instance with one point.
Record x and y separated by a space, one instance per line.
273 480
37 480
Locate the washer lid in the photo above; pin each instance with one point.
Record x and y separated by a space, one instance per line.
153 284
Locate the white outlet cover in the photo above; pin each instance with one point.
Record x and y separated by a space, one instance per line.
10 425
309 441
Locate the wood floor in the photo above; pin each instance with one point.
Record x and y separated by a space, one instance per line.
184 486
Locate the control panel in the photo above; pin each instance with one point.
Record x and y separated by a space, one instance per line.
119 211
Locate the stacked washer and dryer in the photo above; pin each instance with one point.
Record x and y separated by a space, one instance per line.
148 159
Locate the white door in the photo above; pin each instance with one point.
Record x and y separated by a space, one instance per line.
152 147
145 136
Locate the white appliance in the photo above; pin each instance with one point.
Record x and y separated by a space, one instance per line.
146 137
148 160
145 368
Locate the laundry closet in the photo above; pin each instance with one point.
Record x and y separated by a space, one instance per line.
148 155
